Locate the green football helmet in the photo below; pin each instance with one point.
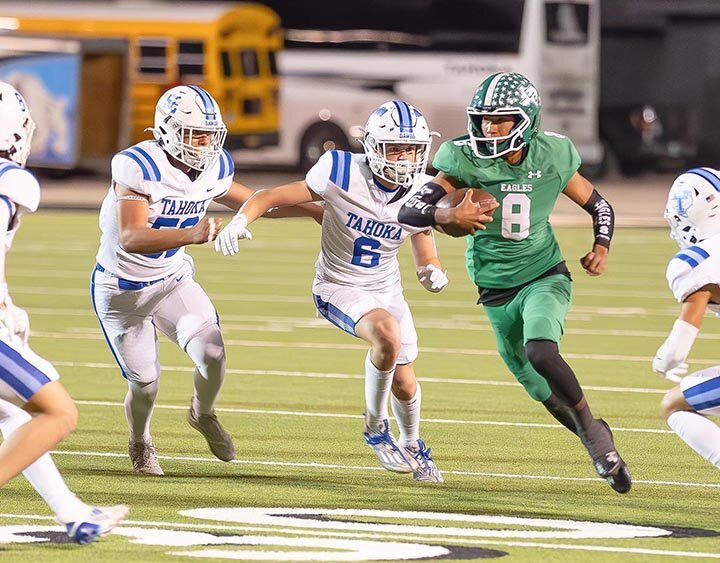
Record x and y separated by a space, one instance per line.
503 94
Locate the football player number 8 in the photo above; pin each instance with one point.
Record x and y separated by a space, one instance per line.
516 216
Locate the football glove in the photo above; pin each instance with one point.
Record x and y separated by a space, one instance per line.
21 320
236 230
432 278
671 358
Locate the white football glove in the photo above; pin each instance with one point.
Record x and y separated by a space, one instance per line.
236 230
669 367
432 278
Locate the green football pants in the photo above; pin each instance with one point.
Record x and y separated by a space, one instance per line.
537 312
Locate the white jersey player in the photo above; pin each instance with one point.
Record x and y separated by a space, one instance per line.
27 380
357 283
143 279
693 211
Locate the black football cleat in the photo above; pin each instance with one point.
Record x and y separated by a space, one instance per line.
610 466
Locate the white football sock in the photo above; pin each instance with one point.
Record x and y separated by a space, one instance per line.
139 403
207 350
701 434
407 414
44 476
377 392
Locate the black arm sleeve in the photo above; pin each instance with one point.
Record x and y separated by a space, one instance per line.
603 218
419 210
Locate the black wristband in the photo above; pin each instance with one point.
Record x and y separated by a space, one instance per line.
419 210
603 218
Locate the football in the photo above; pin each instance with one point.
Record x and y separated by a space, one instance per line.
453 199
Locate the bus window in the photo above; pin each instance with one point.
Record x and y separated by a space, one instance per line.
272 61
191 59
567 23
249 62
226 66
252 106
152 59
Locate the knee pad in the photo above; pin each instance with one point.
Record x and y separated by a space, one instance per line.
535 385
207 350
408 353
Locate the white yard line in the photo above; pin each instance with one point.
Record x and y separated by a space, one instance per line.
315 465
330 375
95 335
277 412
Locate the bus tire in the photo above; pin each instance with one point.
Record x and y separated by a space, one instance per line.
317 139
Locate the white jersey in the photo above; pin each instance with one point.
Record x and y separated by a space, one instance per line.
176 202
695 267
21 193
360 230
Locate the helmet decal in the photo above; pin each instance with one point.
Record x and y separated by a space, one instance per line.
693 206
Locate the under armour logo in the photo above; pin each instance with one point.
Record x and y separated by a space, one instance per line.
536 174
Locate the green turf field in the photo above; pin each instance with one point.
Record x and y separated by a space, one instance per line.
293 398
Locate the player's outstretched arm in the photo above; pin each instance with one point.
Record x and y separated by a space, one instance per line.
295 193
421 209
137 237
428 268
671 358
582 192
238 194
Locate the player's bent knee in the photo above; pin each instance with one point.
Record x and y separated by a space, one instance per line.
207 350
673 401
53 400
535 385
386 336
541 353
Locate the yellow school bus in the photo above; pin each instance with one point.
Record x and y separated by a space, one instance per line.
228 49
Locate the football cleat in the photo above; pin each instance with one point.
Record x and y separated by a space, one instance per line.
610 466
220 442
144 458
390 455
95 522
427 471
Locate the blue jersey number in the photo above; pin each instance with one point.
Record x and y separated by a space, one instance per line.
171 223
363 254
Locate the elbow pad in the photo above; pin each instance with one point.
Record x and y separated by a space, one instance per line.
419 210
603 218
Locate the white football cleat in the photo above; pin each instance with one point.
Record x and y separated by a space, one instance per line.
144 458
95 522
390 455
427 471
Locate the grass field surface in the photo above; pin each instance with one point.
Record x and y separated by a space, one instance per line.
293 399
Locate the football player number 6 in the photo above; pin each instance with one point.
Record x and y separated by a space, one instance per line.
516 216
363 254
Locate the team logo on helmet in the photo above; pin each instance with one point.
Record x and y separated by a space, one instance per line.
693 206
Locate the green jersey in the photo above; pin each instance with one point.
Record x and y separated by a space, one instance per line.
519 245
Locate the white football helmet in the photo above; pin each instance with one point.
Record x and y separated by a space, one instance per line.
693 206
186 111
397 123
16 125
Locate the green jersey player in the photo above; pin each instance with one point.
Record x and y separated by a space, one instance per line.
516 262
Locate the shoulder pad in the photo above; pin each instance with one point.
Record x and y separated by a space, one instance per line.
340 171
142 159
19 186
227 166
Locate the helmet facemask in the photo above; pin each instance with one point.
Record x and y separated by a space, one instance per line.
401 171
495 146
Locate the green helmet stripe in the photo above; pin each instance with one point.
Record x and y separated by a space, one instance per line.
491 88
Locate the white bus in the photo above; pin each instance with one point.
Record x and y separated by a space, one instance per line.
336 69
